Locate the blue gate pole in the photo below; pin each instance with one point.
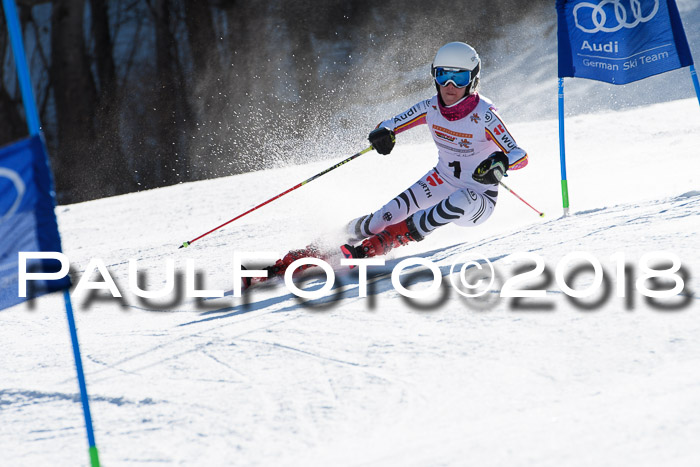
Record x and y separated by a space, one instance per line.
694 77
562 150
32 116
94 457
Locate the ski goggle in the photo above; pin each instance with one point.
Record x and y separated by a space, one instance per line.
460 78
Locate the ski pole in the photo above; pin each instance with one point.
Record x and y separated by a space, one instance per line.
518 196
354 156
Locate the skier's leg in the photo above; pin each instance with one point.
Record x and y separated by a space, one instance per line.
426 192
464 207
393 236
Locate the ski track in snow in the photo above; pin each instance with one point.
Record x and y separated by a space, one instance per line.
343 380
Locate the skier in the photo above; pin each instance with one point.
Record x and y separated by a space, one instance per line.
475 149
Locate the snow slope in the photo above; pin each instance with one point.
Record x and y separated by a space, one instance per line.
270 380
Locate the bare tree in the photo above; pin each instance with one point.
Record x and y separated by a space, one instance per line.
75 97
170 89
115 174
13 126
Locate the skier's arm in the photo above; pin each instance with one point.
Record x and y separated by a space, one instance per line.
497 132
406 120
382 138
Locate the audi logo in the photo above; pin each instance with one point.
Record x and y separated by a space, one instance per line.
627 15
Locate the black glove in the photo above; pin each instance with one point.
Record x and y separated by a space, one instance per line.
491 169
382 140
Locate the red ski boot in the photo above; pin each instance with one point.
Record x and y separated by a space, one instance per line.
394 236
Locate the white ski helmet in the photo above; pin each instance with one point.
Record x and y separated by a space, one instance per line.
457 56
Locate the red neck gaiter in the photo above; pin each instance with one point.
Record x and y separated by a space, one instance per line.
459 110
